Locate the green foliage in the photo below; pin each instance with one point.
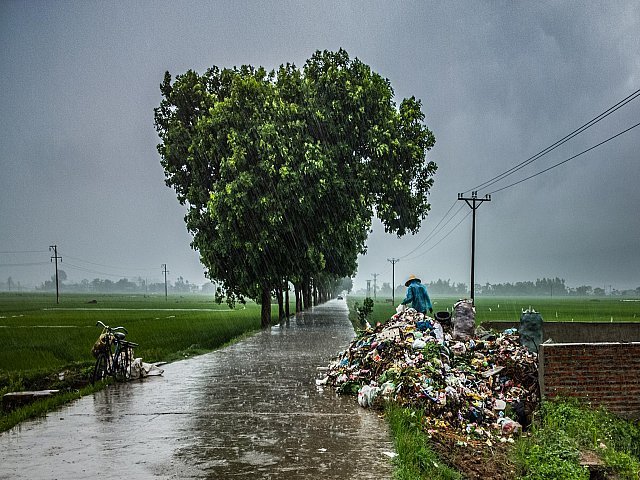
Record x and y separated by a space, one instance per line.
565 429
415 460
349 388
282 171
626 466
553 455
365 310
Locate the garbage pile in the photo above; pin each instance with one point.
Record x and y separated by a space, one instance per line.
481 384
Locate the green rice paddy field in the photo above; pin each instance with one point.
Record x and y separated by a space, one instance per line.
36 334
556 309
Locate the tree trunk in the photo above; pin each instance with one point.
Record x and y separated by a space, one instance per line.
286 298
280 306
314 290
296 290
265 313
306 293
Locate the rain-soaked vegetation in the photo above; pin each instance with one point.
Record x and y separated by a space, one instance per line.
282 171
566 433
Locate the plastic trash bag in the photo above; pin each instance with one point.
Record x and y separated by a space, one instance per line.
509 426
531 329
438 331
367 395
464 322
140 369
419 344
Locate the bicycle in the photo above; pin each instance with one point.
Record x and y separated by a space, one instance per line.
113 354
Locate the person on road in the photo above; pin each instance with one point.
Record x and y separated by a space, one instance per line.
417 295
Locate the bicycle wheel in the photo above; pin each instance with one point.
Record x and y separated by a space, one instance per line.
101 369
123 370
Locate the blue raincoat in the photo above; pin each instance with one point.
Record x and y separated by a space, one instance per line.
418 297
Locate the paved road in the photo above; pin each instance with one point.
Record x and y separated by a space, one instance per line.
251 410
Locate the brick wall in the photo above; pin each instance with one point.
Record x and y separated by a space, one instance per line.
580 332
606 374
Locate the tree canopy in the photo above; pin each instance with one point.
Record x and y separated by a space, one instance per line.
282 171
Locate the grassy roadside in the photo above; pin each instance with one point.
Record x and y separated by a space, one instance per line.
47 346
568 434
564 437
415 458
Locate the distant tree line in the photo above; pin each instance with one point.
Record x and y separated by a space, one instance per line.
550 287
123 285
141 285
545 287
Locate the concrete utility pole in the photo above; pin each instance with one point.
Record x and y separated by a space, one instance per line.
375 277
368 288
165 271
56 257
474 202
393 278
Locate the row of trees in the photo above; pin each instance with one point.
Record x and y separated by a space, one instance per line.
282 171
141 285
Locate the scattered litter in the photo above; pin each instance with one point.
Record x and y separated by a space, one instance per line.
482 385
140 369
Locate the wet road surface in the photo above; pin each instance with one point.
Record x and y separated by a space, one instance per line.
251 410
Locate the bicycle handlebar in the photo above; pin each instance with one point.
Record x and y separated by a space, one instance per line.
110 329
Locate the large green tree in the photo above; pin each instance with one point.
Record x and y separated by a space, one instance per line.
283 171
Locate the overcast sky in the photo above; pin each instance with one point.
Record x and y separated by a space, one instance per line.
499 82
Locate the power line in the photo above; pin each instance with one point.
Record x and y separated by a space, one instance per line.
110 266
25 251
375 278
32 264
435 233
440 226
435 230
567 160
165 271
393 278
56 258
474 202
88 270
442 239
555 145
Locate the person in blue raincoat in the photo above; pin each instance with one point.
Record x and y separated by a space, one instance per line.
417 295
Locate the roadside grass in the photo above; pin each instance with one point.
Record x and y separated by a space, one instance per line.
566 428
41 407
48 346
415 459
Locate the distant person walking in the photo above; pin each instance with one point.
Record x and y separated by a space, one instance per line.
417 295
